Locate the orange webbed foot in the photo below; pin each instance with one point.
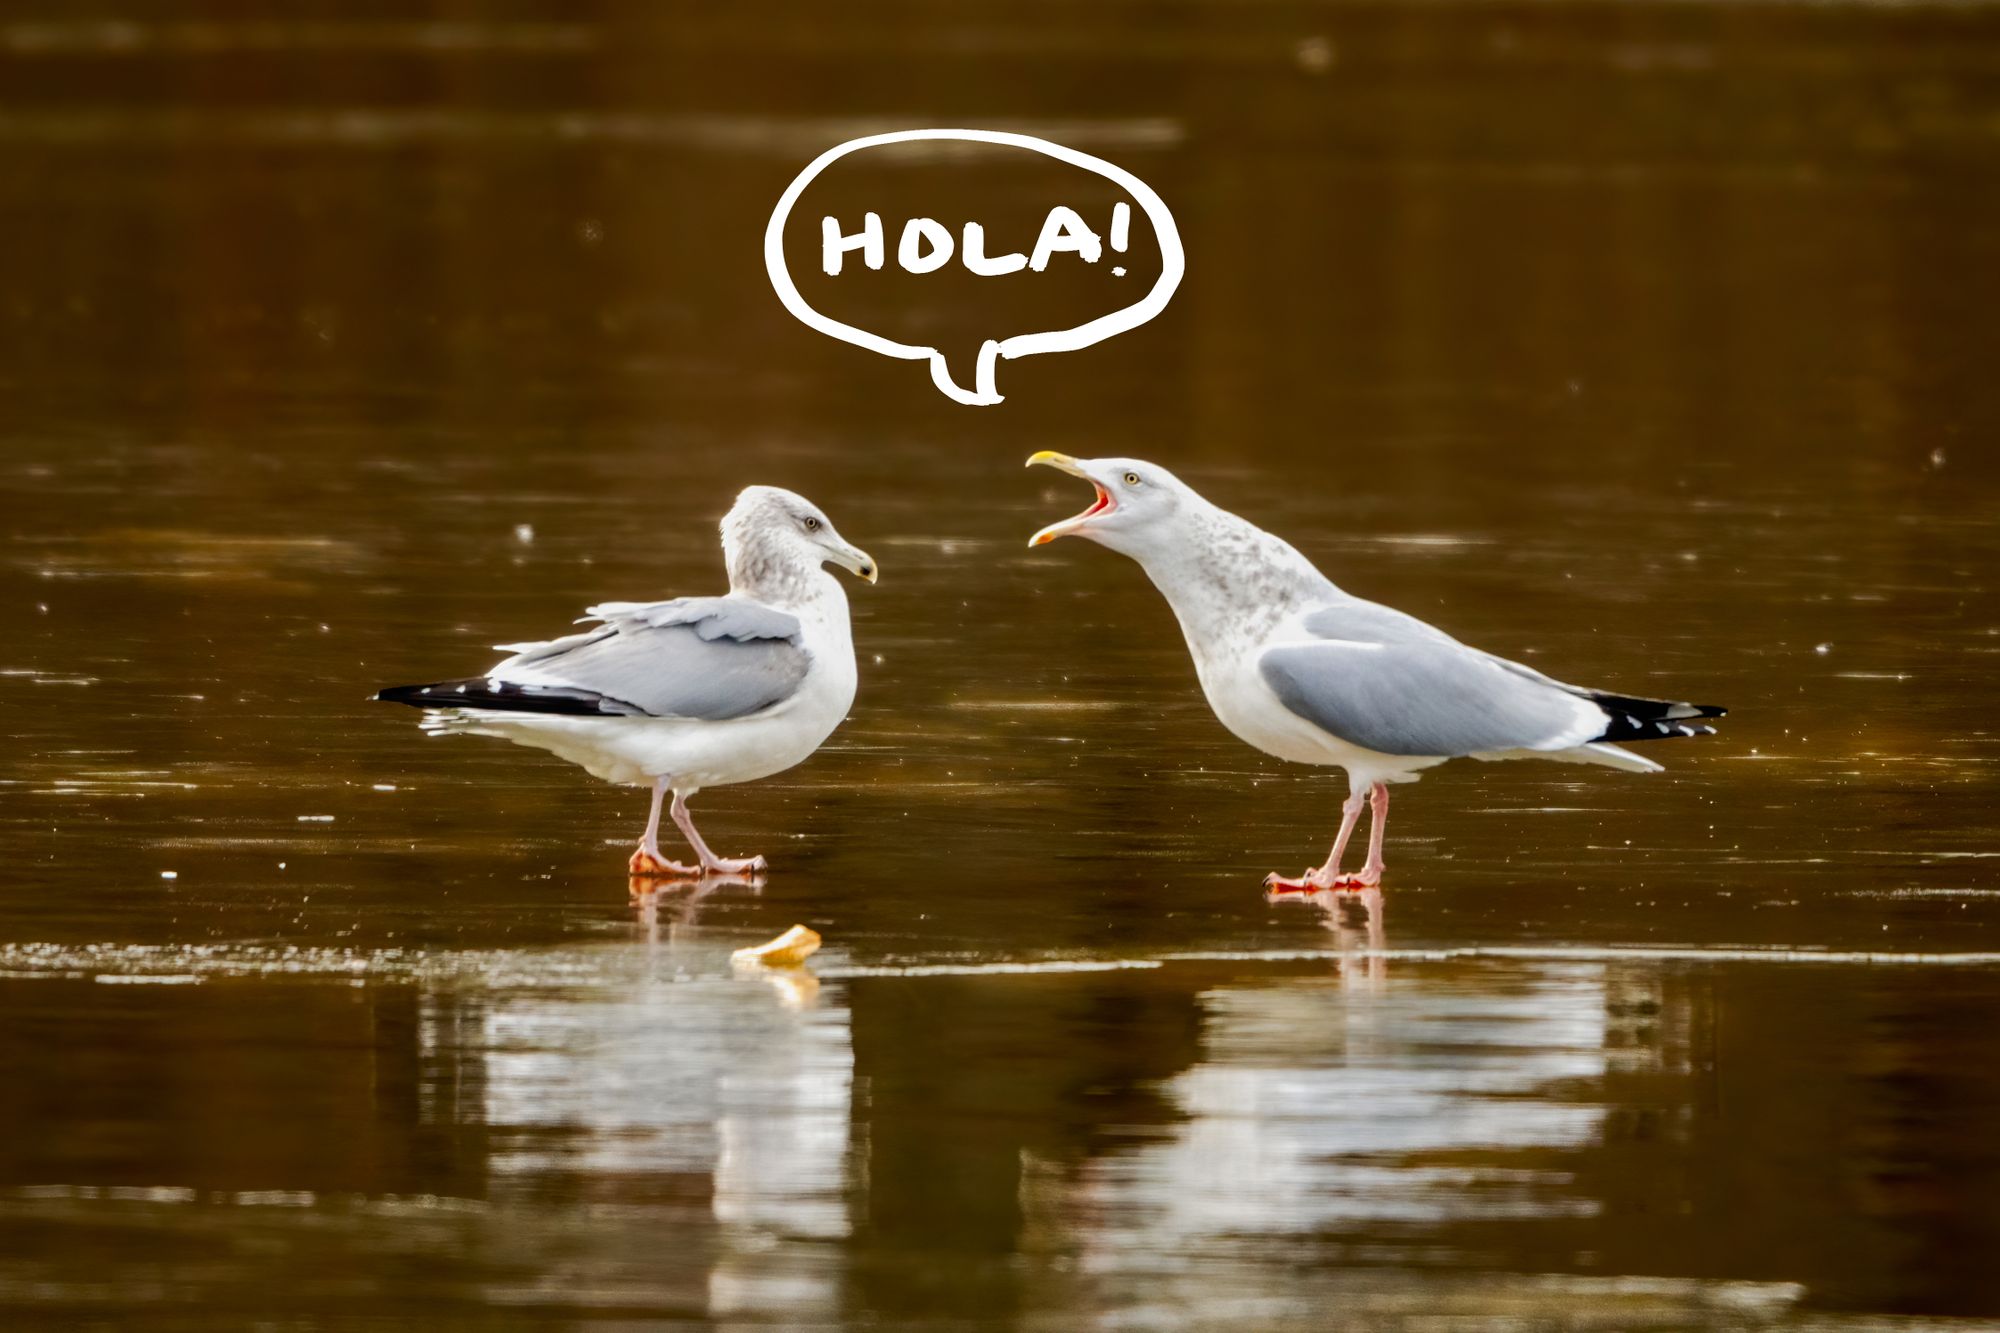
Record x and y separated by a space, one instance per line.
644 865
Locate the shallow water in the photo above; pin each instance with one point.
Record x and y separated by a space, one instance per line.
1655 352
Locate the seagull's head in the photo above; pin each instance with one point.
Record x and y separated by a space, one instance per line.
1138 507
771 531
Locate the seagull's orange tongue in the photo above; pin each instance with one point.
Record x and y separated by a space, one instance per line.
1102 504
1069 525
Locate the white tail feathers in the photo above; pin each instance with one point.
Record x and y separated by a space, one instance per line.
1597 752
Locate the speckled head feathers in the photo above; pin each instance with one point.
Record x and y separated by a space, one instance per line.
774 542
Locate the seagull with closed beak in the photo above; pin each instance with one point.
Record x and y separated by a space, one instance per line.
1308 673
690 693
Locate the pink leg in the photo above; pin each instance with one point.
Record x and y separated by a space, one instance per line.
1328 875
710 862
1371 873
648 862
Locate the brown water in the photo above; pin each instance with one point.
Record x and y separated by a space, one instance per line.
1653 345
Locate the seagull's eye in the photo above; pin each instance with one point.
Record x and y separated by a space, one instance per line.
812 525
1131 479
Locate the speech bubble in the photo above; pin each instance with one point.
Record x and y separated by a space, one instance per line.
984 392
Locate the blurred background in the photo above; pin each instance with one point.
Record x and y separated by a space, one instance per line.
1651 343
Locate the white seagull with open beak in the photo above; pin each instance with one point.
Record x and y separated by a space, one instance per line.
690 693
1301 670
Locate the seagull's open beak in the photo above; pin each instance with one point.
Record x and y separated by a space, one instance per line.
855 561
1103 504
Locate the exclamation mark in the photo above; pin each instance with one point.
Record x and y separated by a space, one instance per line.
1121 232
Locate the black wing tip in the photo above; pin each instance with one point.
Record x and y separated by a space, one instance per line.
1625 727
506 696
1637 719
1633 718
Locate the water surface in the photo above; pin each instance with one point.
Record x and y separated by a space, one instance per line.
1653 352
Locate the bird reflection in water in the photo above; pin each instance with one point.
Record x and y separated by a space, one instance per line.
682 899
668 1085
1355 918
662 909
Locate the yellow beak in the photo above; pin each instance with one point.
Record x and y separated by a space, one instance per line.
1061 462
856 562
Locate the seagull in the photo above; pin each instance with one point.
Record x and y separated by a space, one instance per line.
690 693
1313 675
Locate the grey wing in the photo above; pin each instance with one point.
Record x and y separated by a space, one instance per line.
1390 683
711 658
737 618
1375 623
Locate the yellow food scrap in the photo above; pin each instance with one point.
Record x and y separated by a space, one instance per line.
788 950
